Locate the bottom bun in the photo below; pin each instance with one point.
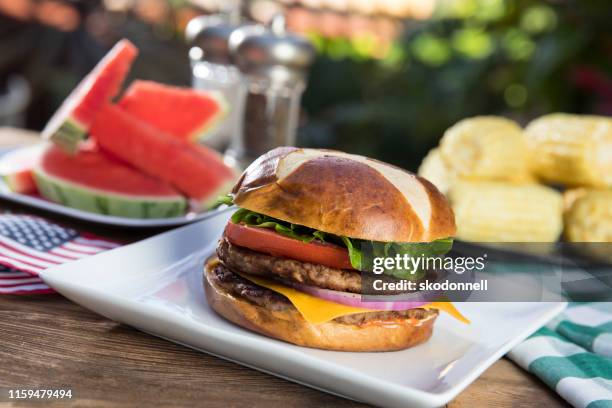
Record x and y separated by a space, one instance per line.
287 323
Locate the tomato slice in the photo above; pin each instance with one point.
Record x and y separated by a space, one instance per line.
269 242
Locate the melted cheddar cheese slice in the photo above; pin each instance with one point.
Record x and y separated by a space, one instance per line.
315 310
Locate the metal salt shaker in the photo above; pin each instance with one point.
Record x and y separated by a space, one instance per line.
275 65
213 70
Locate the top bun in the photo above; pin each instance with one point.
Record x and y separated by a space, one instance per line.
345 194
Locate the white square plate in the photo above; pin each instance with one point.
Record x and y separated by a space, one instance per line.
156 286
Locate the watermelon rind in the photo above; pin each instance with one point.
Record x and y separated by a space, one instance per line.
20 183
68 135
107 203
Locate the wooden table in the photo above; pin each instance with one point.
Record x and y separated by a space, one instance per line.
49 341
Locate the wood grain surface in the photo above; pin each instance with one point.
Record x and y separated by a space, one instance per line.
48 341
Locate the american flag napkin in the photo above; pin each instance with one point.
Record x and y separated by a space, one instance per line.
29 245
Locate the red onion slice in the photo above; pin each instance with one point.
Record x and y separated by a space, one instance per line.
354 299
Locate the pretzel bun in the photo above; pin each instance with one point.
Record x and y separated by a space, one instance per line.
289 325
345 194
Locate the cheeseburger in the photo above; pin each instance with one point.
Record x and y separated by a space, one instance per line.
289 263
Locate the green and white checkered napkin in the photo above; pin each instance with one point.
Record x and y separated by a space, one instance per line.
573 355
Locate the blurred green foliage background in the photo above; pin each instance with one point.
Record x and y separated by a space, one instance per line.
515 58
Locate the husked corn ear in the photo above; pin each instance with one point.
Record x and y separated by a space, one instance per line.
571 196
571 149
590 218
503 212
525 177
486 148
435 170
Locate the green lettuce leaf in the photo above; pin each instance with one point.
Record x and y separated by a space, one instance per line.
355 255
287 229
223 200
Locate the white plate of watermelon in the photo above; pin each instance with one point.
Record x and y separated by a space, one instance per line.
136 162
19 186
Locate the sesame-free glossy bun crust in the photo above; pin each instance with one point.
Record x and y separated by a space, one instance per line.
346 195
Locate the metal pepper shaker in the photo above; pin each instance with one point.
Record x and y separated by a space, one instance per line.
213 70
274 65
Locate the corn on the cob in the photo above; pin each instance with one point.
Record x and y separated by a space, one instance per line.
486 148
502 212
571 149
525 177
571 196
590 218
435 170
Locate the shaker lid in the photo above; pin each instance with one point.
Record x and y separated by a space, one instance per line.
258 50
211 34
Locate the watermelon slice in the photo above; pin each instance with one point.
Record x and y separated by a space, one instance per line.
93 181
70 124
196 171
16 169
182 112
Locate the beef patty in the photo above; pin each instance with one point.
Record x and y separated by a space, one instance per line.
234 284
255 263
